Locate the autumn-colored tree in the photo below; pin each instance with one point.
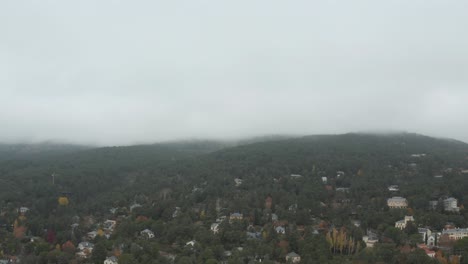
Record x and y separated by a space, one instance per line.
68 247
340 242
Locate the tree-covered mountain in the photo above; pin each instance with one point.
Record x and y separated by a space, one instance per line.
209 179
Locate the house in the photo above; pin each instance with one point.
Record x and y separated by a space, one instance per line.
433 205
280 230
147 234
356 223
236 217
82 254
342 189
221 219
191 243
254 235
111 260
296 176
425 233
402 223
370 239
393 188
418 155
324 179
238 182
134 206
397 202
432 240
85 245
274 217
109 224
429 252
293 257
340 174
23 210
215 228
450 205
293 207
92 235
176 212
456 233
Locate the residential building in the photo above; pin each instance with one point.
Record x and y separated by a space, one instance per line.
134 206
92 235
456 233
402 223
236 217
85 245
397 202
296 176
109 224
393 188
111 260
147 234
215 228
274 217
238 182
425 233
450 205
280 230
23 210
370 239
433 205
293 257
429 252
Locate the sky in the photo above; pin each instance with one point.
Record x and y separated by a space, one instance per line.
114 72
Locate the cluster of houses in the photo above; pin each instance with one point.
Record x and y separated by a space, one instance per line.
430 239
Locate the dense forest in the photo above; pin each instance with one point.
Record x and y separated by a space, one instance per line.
276 200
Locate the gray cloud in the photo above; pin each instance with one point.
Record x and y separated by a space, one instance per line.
120 72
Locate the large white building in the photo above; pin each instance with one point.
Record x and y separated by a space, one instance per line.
450 205
397 202
456 233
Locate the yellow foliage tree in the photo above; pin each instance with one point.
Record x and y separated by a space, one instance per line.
63 200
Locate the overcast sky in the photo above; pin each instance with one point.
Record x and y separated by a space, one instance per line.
122 72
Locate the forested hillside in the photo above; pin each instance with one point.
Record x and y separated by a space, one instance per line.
313 185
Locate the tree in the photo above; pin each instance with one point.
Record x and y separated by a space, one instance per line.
99 253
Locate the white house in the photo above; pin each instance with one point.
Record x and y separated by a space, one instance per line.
450 205
147 233
111 260
293 257
274 217
23 210
238 181
134 206
215 228
85 245
393 188
280 230
324 179
191 243
92 235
